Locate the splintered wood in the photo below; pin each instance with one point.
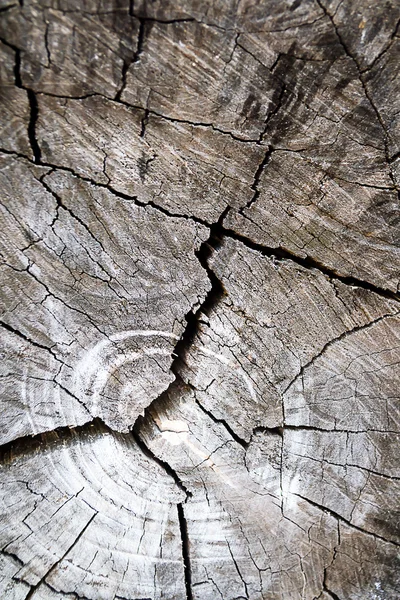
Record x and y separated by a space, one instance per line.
200 313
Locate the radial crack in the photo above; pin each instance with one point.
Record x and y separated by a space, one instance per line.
55 565
256 181
349 523
185 551
335 340
148 452
135 58
308 263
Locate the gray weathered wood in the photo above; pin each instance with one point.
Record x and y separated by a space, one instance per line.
199 305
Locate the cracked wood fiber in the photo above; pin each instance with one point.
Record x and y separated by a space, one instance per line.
200 308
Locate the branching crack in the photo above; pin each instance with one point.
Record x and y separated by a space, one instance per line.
135 58
55 565
219 232
256 181
213 297
335 340
192 318
342 519
308 263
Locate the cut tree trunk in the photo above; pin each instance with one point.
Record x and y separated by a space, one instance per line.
200 300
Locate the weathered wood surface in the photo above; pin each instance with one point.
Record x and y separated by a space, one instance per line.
199 305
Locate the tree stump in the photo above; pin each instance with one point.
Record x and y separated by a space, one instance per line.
200 308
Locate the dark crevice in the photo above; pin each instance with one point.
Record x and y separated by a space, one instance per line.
146 450
185 551
192 318
256 181
145 120
167 21
229 429
17 64
135 58
333 430
33 104
125 68
213 297
30 444
308 263
17 68
273 430
12 555
21 335
5 8
78 97
140 41
46 43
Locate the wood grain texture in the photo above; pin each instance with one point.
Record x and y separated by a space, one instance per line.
184 169
90 303
93 518
200 315
267 333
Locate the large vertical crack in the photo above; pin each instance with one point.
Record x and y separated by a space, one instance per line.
34 115
213 297
148 452
185 551
193 319
33 104
256 181
135 58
